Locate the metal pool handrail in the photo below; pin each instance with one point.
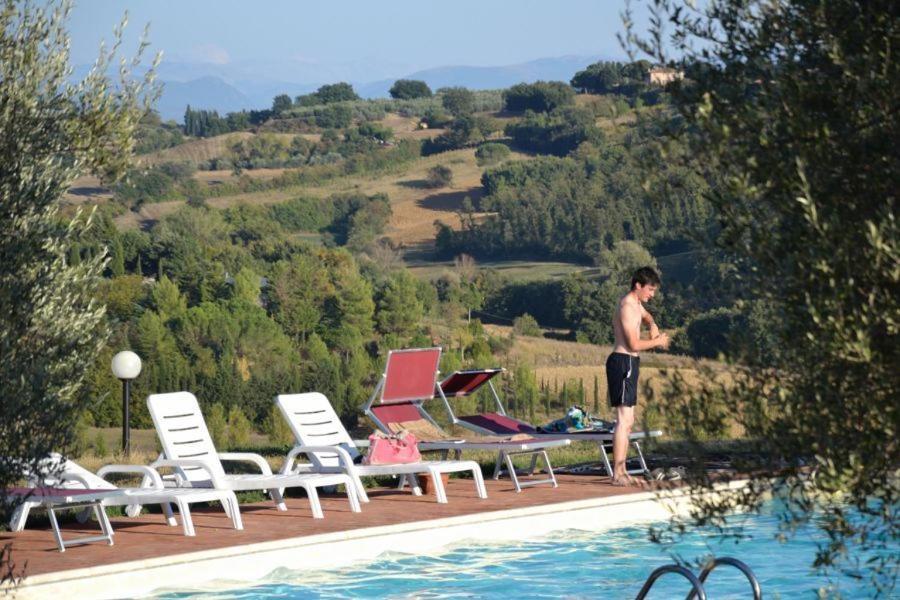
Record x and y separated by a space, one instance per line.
737 564
696 584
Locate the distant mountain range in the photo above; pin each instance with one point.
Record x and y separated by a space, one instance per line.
253 85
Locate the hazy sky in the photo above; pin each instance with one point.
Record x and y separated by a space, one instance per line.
391 35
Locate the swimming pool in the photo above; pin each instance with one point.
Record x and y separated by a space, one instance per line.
572 563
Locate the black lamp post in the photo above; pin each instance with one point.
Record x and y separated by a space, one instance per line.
126 365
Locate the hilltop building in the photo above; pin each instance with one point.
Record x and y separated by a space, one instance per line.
662 76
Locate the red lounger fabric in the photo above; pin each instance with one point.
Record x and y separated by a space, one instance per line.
499 424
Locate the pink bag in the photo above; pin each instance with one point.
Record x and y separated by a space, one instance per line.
392 449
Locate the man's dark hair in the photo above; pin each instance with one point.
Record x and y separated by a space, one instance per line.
644 276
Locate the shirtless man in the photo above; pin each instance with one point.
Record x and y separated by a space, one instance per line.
623 364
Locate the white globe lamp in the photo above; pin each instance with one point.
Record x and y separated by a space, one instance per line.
126 365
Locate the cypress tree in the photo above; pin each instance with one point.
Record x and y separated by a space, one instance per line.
117 260
596 395
546 396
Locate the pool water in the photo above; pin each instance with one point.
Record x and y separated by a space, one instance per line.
572 564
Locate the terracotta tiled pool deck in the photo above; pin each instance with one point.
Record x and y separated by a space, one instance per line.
149 537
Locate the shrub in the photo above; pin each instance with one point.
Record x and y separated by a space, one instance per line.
277 428
408 89
217 425
100 448
526 325
439 176
491 154
541 96
709 332
458 101
558 132
239 428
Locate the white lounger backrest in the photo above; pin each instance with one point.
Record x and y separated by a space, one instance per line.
183 433
78 476
314 423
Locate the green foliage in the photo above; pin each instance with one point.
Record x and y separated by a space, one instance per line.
541 96
525 390
277 428
605 77
100 448
376 131
208 123
302 214
525 324
217 426
151 185
557 132
544 299
239 428
590 305
462 132
491 153
358 219
269 151
54 130
335 116
708 333
152 134
571 208
122 296
336 92
406 89
439 176
458 101
399 309
788 108
281 103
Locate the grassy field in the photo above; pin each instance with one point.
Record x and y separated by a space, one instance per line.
407 128
515 270
203 149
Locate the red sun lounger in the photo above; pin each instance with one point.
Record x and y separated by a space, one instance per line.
408 381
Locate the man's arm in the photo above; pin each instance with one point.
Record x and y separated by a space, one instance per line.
647 319
630 320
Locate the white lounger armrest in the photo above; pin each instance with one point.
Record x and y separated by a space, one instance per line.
66 476
256 459
180 463
149 473
343 456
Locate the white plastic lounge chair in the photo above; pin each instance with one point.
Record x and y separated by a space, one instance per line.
464 383
323 438
188 448
53 499
408 381
64 475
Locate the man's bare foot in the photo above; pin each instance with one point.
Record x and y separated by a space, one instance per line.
626 481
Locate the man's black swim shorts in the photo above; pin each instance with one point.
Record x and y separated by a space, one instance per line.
622 378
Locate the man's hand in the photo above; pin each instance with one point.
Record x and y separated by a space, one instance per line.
662 341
